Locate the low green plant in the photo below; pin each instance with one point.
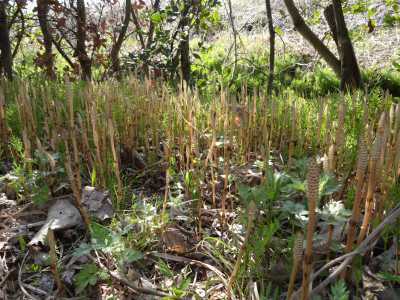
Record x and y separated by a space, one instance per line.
109 242
89 275
339 291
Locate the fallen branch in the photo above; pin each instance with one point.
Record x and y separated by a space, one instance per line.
195 262
6 277
128 283
364 247
21 284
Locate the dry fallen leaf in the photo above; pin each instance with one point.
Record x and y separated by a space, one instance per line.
174 240
97 203
62 215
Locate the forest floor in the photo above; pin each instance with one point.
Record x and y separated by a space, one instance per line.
375 49
170 180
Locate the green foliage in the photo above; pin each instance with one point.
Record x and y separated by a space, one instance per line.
328 184
104 239
258 245
172 23
266 193
165 269
390 9
90 274
339 291
386 276
270 293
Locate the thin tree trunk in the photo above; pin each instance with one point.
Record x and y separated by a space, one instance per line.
350 72
185 58
301 26
20 34
42 13
330 19
5 46
271 47
235 44
115 66
184 49
81 52
156 7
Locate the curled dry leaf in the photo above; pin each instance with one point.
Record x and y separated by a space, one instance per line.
174 240
97 203
62 215
5 202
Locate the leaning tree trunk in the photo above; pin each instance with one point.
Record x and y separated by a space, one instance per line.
330 19
42 13
271 48
5 46
350 72
301 26
81 52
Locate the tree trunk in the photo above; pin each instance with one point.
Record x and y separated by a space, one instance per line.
330 19
5 46
235 44
350 72
115 66
184 49
42 13
84 60
185 58
271 48
301 26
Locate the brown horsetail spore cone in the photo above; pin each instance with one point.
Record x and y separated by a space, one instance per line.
397 155
362 164
339 138
320 119
312 195
392 116
384 127
325 163
297 257
292 135
332 158
375 157
397 119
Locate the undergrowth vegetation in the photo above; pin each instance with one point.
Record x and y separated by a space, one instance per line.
297 72
219 181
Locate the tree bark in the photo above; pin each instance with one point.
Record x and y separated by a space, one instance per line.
235 44
271 48
84 60
330 19
350 72
5 46
115 66
42 13
185 58
184 49
301 26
